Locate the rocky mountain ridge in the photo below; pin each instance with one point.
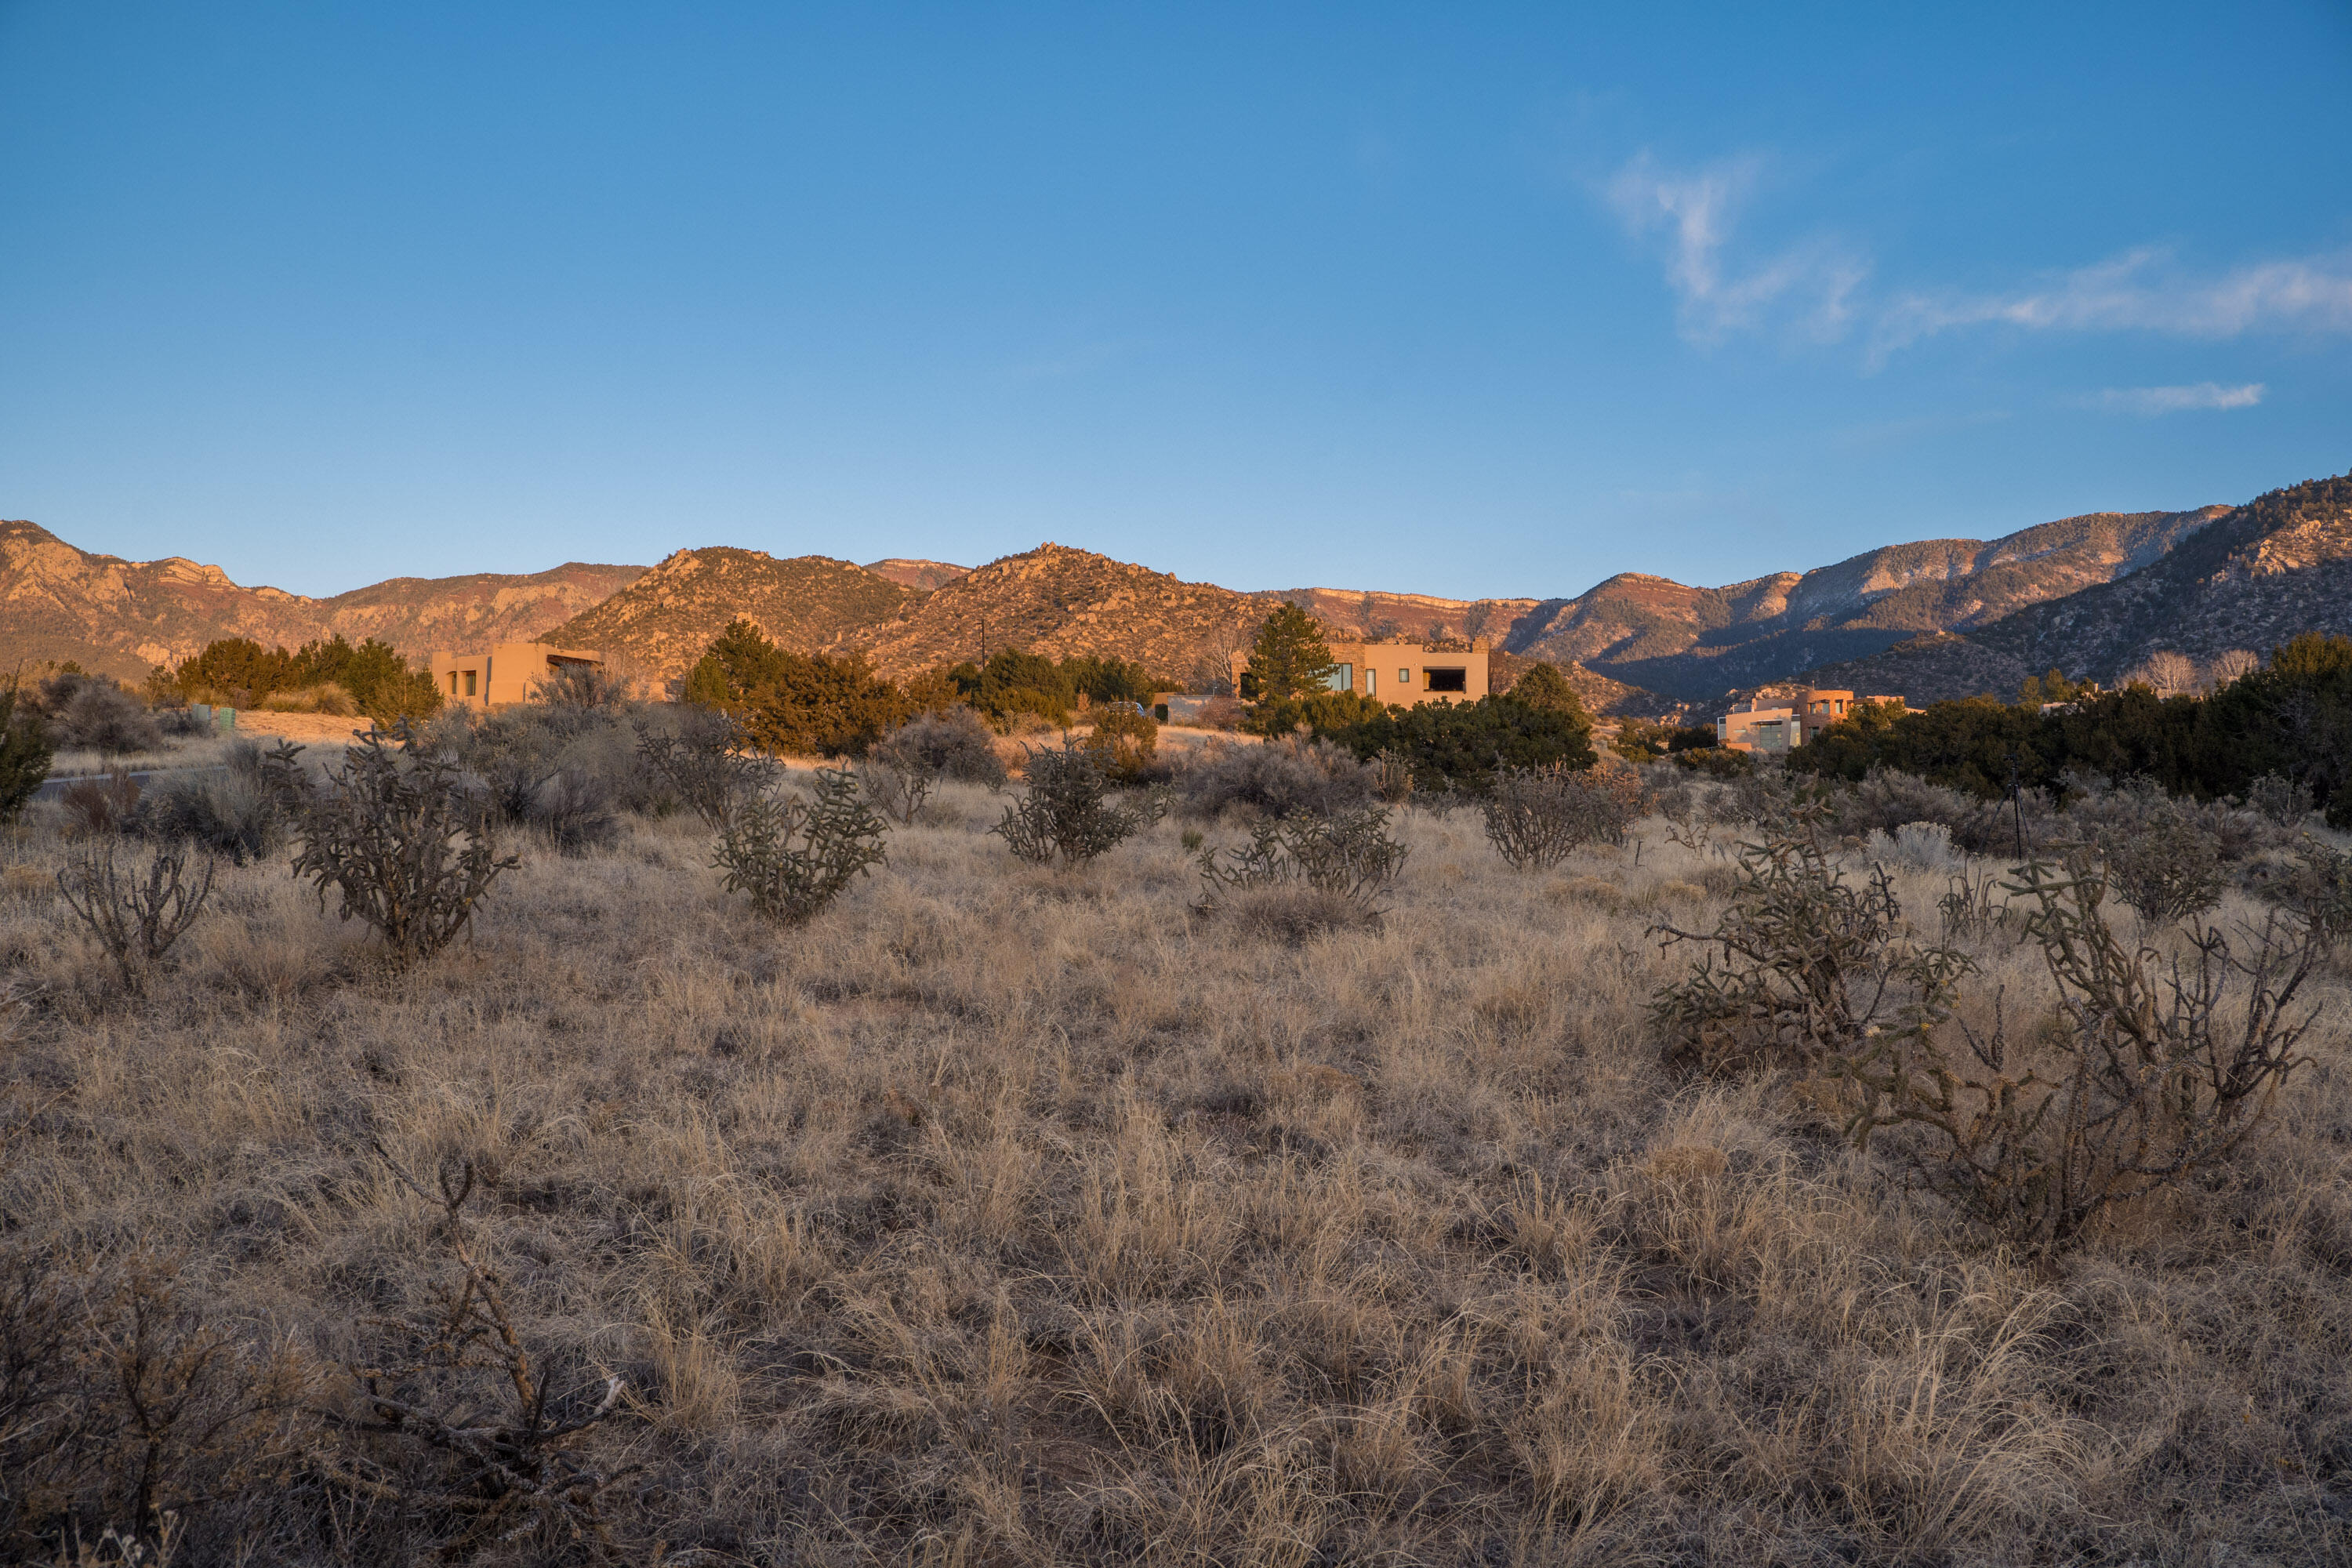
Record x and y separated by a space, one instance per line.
1930 618
125 617
1692 644
2255 576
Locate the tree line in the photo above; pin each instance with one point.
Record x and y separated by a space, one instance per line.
2291 719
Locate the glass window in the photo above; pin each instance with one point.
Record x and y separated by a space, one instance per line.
1405 677
1343 679
1449 680
470 683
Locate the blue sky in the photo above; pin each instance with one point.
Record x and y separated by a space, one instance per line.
1463 300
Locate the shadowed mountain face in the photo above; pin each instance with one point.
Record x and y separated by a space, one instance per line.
1697 643
123 617
2256 576
663 621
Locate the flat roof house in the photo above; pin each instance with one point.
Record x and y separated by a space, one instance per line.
508 673
1762 727
1405 673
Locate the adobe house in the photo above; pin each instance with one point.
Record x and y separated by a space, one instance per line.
1405 673
1760 728
509 673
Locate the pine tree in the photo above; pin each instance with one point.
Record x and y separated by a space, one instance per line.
1543 686
23 754
1290 658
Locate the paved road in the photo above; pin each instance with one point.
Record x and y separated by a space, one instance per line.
146 778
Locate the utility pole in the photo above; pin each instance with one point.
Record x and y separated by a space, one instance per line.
2017 809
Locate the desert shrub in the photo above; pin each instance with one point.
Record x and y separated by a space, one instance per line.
1341 864
795 855
409 849
1391 777
1322 712
120 1402
236 811
101 805
2283 800
25 752
1886 800
1065 812
1535 816
135 916
899 792
1921 846
92 712
1278 778
708 764
794 703
1461 744
2166 867
2143 1077
584 685
1715 762
456 1423
1123 743
1803 964
574 808
952 744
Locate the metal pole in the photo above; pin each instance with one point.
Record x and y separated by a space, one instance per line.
2017 804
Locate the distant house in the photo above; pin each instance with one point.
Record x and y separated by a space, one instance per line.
1405 673
508 673
1762 727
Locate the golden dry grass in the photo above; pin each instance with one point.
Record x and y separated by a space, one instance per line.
1007 1217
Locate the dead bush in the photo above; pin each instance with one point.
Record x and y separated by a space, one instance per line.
2163 864
899 791
1278 778
795 855
101 805
124 1413
1802 966
459 1426
1306 871
1065 812
403 843
235 811
709 764
1537 816
136 916
2147 1073
2283 801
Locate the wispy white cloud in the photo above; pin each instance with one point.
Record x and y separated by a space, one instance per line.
1808 288
2150 401
1817 288
2141 290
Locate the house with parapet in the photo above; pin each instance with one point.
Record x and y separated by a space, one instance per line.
1761 725
1405 673
506 674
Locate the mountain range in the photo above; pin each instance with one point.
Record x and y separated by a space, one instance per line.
2092 595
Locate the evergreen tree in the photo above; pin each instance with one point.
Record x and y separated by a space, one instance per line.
1290 658
1545 687
24 752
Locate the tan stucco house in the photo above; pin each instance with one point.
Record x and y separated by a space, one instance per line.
1405 673
508 673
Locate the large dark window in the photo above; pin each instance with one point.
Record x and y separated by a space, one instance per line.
1448 680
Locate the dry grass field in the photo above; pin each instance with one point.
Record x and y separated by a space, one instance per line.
1011 1216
